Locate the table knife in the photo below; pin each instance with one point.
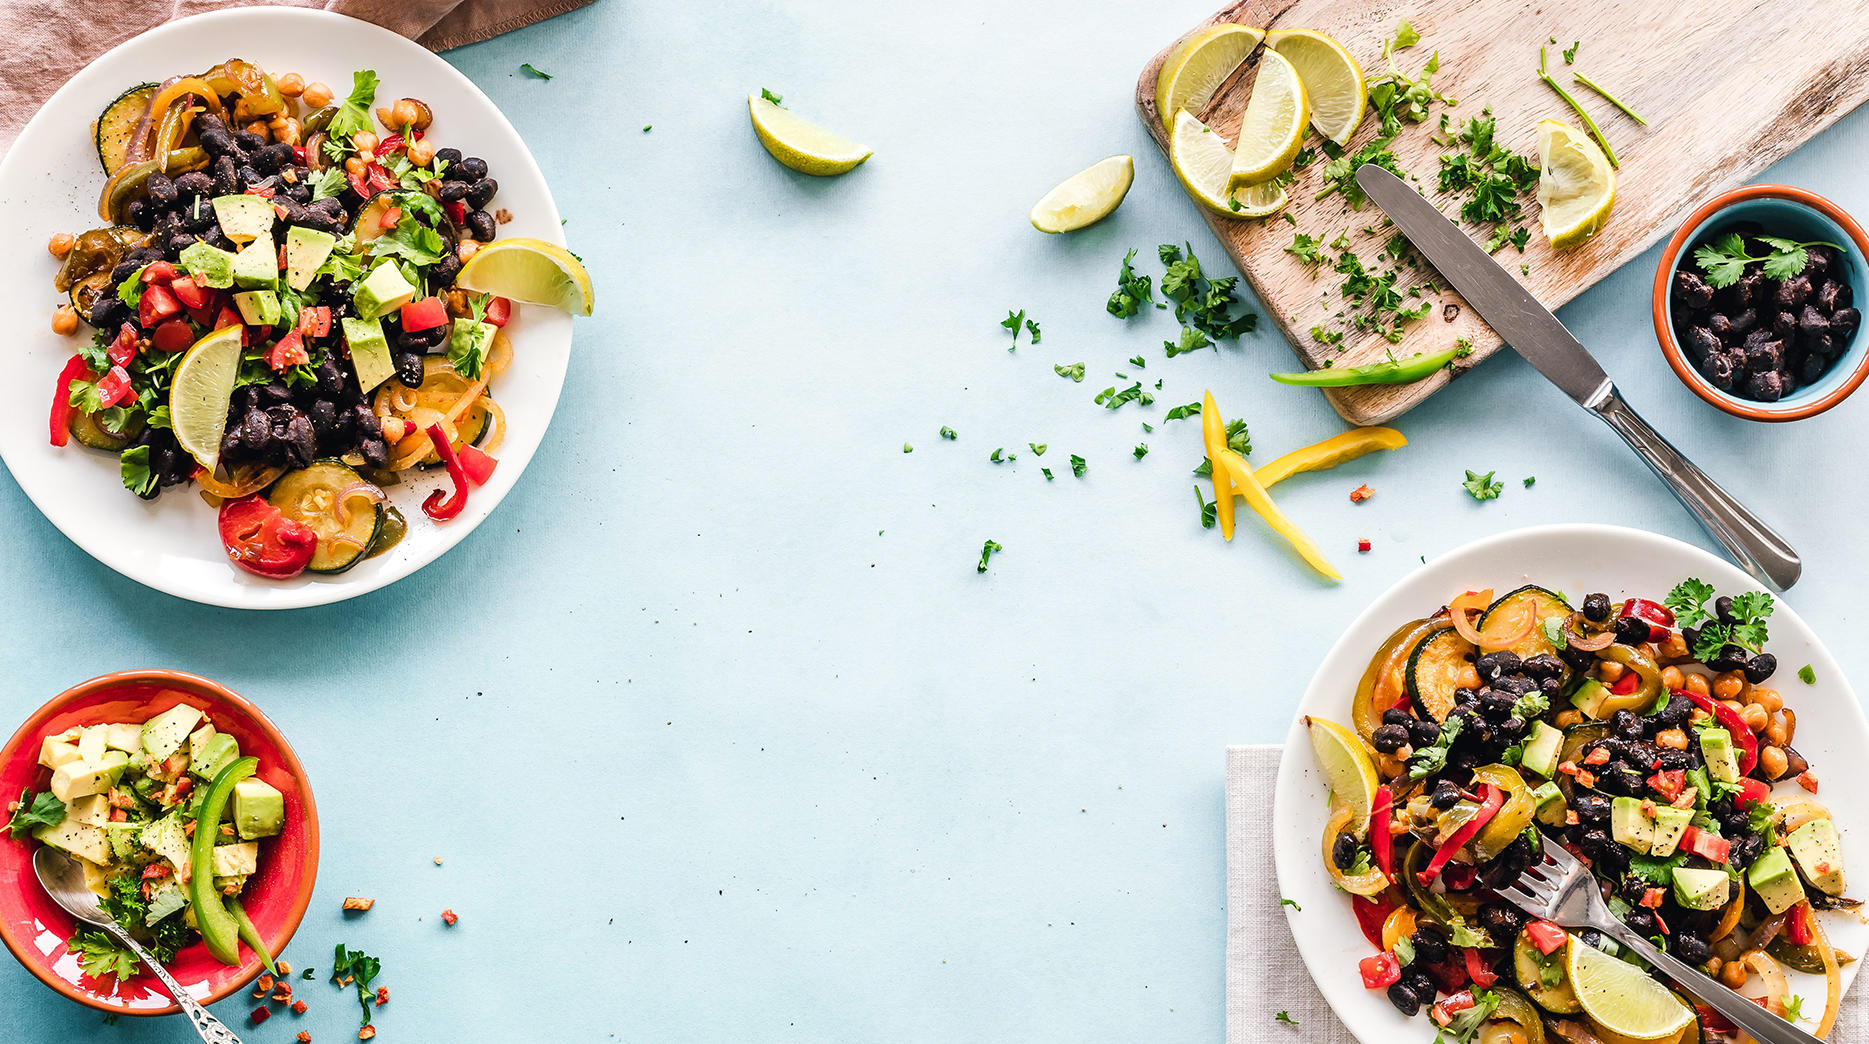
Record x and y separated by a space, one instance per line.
1536 334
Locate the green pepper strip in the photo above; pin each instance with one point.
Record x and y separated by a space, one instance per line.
126 183
250 933
1388 371
220 929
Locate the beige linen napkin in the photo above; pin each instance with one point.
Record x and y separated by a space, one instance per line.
1264 974
50 40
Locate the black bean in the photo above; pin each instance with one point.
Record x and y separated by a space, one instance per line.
1632 630
1817 261
1792 293
1590 806
323 414
481 193
1784 325
1642 919
1751 286
1843 323
1769 355
160 190
1745 849
1690 290
1389 738
1423 733
179 242
123 270
452 191
481 225
375 451
1761 667
197 214
449 155
1676 713
1496 705
1765 387
1515 685
409 368
1700 343
107 313
1743 321
269 158
1813 366
1551 687
1396 716
226 177
442 272
248 140
473 168
1720 325
250 177
297 192
422 340
1446 795
1405 999
1690 948
367 423
1812 322
1492 665
1722 371
140 213
1628 725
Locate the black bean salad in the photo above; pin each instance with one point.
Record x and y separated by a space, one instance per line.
275 312
1640 735
1765 315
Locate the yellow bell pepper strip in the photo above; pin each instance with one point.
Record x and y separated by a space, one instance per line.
1214 433
1260 501
1331 452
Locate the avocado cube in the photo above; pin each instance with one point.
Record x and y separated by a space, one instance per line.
55 752
80 839
217 753
382 291
167 838
1776 882
209 266
236 860
165 733
1701 889
468 337
1629 825
91 743
259 809
1589 698
78 779
1819 854
1716 745
258 307
1541 749
126 737
122 837
244 217
306 250
91 810
1670 825
1549 804
369 352
257 264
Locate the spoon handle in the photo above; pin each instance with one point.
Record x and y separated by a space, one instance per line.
211 1029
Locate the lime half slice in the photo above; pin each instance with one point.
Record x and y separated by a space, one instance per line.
1203 162
532 271
199 394
800 144
1086 197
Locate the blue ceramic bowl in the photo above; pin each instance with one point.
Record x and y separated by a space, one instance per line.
1781 210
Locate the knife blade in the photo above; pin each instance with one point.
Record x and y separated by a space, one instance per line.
1513 313
1532 331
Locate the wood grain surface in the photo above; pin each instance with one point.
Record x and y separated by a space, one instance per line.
1728 86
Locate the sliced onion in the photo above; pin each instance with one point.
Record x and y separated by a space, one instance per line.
239 485
1502 635
1474 602
350 492
1573 634
1776 989
496 425
1833 979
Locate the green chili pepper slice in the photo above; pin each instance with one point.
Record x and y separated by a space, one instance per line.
1389 371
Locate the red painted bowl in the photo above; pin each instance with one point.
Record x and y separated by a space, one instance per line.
35 929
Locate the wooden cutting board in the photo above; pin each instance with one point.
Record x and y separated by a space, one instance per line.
1728 86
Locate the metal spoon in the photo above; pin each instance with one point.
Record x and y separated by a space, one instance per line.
64 882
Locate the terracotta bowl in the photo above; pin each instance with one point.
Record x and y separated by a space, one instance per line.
35 929
1784 211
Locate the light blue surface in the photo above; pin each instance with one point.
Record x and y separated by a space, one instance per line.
718 732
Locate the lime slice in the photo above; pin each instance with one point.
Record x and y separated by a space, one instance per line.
1333 81
1198 66
1273 127
1347 768
1622 999
1086 197
200 391
800 144
532 271
1576 187
1204 163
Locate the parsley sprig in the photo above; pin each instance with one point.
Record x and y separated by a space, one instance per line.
35 810
362 969
1482 487
1431 759
1725 259
1692 604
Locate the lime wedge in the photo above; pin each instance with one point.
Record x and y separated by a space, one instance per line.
1198 66
198 396
1347 768
1204 163
532 271
1333 81
800 144
1622 999
1576 187
1086 197
1273 128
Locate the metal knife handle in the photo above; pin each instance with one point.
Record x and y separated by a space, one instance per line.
1761 1025
210 1028
1751 542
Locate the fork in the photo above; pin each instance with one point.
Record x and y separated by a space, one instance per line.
1560 888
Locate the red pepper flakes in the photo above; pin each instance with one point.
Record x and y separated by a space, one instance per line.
450 916
1360 494
382 996
358 903
367 1033
282 995
264 986
299 1007
260 1015
304 1037
1808 780
1362 546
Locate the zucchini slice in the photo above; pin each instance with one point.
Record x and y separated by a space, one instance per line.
1527 963
117 124
311 495
88 431
1546 604
369 221
1434 671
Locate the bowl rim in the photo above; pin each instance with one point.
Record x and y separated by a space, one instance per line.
301 902
1670 262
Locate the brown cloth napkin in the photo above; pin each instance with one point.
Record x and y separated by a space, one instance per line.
50 40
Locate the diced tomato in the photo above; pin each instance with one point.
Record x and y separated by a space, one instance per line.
155 872
1379 970
456 211
280 211
315 322
1668 783
173 336
389 218
123 349
1443 1012
189 292
1652 897
1752 791
1712 1021
425 314
158 273
1626 684
1708 846
478 464
1798 925
499 311
262 191
158 305
1370 914
1548 936
282 257
114 389
1479 969
227 317
288 352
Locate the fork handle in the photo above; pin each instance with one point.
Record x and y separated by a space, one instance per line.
211 1030
1761 1025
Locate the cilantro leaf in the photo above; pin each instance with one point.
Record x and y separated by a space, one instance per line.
35 810
1431 759
362 969
1078 467
100 957
1405 36
1807 675
1655 870
1238 440
1293 903
1309 250
1012 322
1285 1017
1192 340
1031 327
1192 409
1688 601
1141 450
1482 487
1073 372
133 468
1132 291
353 117
1570 53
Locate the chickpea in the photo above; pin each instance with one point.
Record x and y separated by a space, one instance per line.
386 115
1674 647
1608 671
421 153
1728 686
1713 966
1774 733
65 321
1732 705
1754 716
1569 717
354 165
1469 677
1767 698
317 94
60 244
262 128
467 248
365 141
1733 975
289 131
1772 762
408 114
1672 738
1697 685
1672 679
1697 715
291 85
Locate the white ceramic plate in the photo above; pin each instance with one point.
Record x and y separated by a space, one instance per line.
49 183
1576 559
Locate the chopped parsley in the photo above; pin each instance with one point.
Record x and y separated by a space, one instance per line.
133 467
1078 467
1112 399
1492 180
1047 472
1482 487
1192 340
353 117
1433 758
540 73
986 554
906 448
999 456
1203 304
1794 1009
1725 259
1238 440
1405 36
362 969
948 433
1691 600
1132 291
1192 409
1340 173
1031 327
100 957
1012 322
1534 704
1529 481
1293 903
1285 1017
35 810
1570 53
1038 448
1656 870
1309 250
1806 675
771 97
1074 372
1138 362
1208 508
1465 1025
1141 450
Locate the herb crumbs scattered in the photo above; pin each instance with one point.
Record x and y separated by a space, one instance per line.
1293 903
1074 372
948 433
1482 487
1038 448
1529 481
1078 467
1570 53
1238 440
1141 450
906 448
986 553
535 71
1285 1017
1000 456
1012 322
771 97
1807 675
1132 291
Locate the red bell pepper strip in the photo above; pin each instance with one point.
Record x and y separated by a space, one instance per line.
192 294
499 311
479 465
1548 936
263 541
1626 684
1371 914
75 370
1383 843
1491 799
1478 970
1730 720
1798 925
123 349
114 389
442 506
1668 783
1708 846
389 218
1379 971
456 210
1660 618
425 314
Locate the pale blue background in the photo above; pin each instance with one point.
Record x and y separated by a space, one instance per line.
719 733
